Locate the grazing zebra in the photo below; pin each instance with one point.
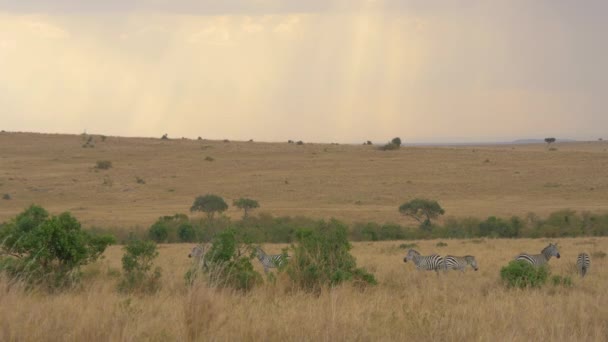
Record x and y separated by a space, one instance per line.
459 263
198 253
542 258
583 262
270 261
430 262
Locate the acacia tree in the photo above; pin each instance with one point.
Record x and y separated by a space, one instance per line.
550 140
422 210
246 204
209 204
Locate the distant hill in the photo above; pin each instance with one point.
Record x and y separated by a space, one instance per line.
538 141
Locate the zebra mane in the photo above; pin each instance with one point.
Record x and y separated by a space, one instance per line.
548 247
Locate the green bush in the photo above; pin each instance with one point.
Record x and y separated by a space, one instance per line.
322 258
186 232
441 244
137 265
228 265
48 250
159 231
557 280
522 274
408 245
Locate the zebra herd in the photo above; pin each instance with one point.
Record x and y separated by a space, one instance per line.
435 262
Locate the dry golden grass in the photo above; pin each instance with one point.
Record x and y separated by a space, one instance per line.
348 182
406 305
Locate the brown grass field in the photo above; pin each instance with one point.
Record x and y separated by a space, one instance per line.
348 182
406 305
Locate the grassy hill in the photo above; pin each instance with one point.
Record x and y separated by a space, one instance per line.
153 177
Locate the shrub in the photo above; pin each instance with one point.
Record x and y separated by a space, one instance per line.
137 264
558 280
48 250
103 164
140 180
389 147
159 231
522 274
408 245
165 137
441 244
228 266
208 158
396 141
322 258
300 142
186 232
6 197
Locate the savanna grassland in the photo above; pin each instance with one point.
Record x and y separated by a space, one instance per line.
349 182
405 305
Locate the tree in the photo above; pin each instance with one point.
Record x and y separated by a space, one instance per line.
209 204
550 140
422 210
246 204
396 141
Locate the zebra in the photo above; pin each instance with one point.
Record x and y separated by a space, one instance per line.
198 253
583 263
432 262
270 261
541 259
459 263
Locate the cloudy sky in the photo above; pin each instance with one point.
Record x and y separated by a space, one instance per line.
324 71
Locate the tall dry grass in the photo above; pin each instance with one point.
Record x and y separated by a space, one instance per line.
406 305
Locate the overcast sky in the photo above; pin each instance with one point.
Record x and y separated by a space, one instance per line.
324 71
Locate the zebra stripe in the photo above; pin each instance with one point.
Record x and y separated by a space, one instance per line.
429 263
198 254
459 263
542 258
270 261
583 263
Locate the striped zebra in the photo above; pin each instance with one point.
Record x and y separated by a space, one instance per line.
541 259
429 263
198 254
270 260
459 263
583 262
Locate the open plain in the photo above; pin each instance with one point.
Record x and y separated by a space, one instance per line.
349 182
